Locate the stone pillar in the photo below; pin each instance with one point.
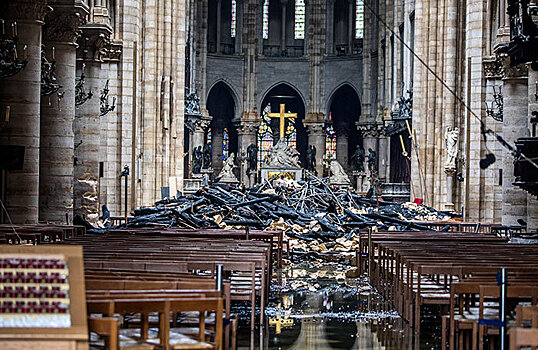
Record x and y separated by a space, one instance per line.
22 93
515 125
370 134
57 139
197 138
246 135
330 28
316 137
239 26
87 124
342 146
219 24
383 159
283 30
217 138
350 26
532 202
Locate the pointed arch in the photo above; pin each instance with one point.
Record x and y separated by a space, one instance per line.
233 93
332 94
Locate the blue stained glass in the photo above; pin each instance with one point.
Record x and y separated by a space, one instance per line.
265 136
225 144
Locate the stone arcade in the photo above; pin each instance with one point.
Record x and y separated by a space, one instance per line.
179 139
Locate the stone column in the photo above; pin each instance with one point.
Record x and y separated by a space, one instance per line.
350 26
57 139
283 30
197 138
239 26
217 138
22 93
316 137
330 28
246 135
532 202
370 134
342 146
219 24
515 125
383 159
87 123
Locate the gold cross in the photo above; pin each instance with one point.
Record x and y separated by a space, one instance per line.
282 116
280 322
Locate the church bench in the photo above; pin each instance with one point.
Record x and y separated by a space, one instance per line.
247 262
38 233
523 338
113 285
414 273
163 306
472 301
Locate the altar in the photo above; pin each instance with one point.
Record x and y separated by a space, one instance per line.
274 173
283 161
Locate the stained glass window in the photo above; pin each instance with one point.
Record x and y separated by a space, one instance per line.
265 136
330 143
225 144
291 133
300 16
208 137
266 19
359 19
234 18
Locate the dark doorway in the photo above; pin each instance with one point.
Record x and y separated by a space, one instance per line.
223 137
344 113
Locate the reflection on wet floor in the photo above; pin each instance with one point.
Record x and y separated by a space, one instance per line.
318 307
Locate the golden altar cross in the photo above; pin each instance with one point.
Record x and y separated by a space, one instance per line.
282 116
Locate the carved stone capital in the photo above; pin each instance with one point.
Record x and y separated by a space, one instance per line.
30 10
369 130
509 72
113 51
196 123
63 22
247 128
493 67
95 42
315 128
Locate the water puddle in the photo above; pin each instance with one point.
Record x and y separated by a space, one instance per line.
327 306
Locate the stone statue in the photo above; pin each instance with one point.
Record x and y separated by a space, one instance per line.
311 159
283 157
227 172
207 157
358 159
197 160
372 161
451 143
252 159
338 174
192 103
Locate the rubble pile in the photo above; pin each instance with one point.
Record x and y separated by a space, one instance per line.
315 216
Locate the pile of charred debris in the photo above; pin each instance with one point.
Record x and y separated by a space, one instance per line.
315 216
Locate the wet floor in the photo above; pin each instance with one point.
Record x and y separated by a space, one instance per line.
316 306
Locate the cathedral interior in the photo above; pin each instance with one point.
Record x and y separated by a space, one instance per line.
273 174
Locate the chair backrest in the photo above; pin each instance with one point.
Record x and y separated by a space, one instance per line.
523 337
